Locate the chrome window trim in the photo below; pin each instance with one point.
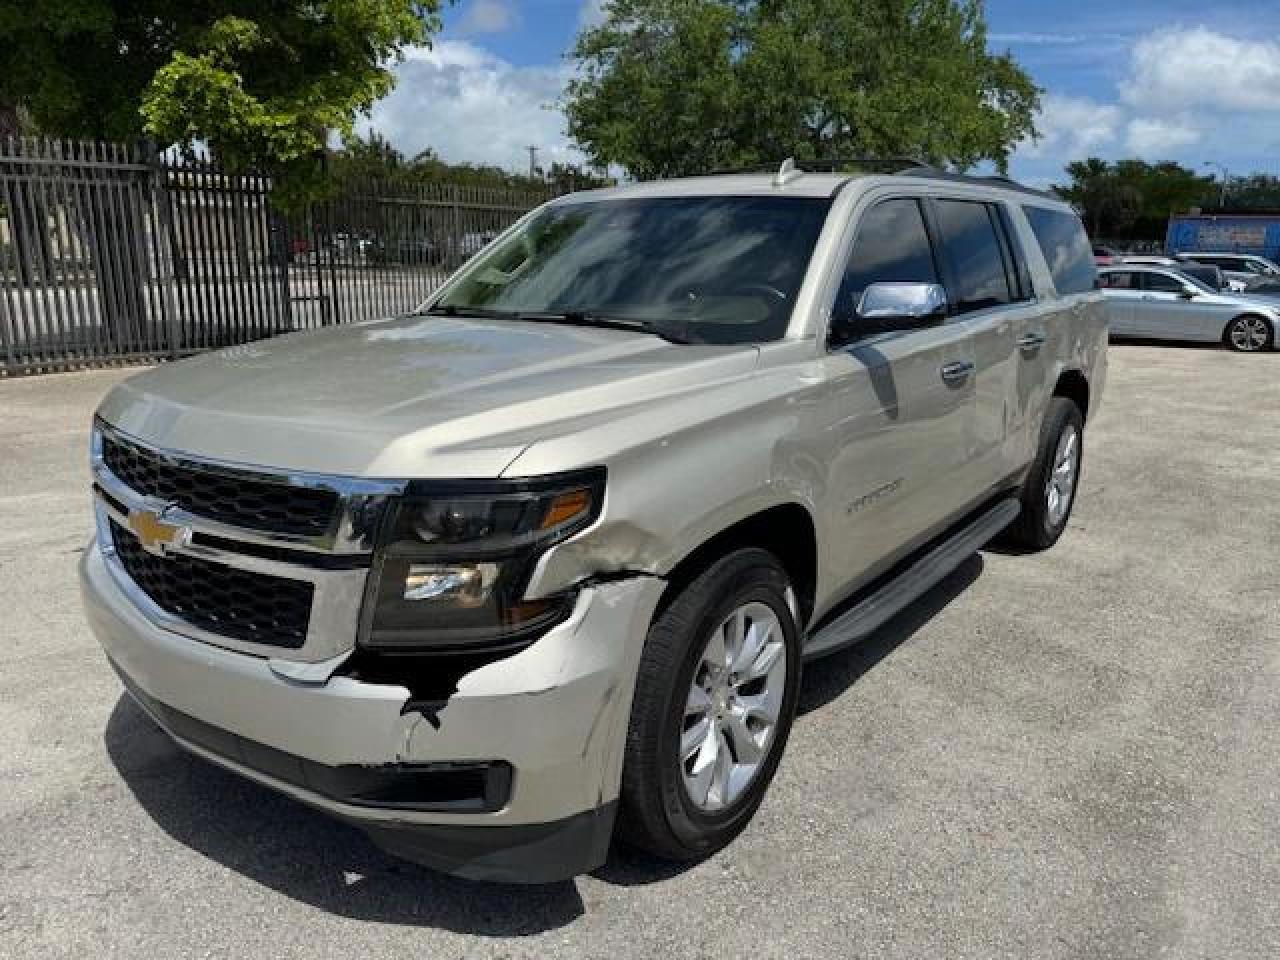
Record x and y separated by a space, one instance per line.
338 593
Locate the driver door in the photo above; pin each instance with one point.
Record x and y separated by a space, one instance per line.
897 406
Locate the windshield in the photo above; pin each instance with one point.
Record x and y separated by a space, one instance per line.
712 269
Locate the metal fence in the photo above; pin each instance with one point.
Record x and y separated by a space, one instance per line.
112 253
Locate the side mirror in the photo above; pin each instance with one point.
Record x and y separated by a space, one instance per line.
900 306
1188 294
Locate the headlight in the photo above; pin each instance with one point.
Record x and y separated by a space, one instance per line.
453 562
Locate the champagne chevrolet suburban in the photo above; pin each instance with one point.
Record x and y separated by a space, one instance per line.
541 563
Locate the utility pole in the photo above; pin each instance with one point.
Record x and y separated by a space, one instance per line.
1226 175
533 161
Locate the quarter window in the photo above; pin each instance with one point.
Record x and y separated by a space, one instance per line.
1065 247
1119 280
969 240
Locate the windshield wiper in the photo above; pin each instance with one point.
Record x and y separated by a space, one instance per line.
451 310
580 318
586 318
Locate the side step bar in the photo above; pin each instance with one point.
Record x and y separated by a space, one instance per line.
873 611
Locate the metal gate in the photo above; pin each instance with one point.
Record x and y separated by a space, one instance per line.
112 253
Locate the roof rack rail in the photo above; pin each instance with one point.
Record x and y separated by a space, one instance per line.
989 179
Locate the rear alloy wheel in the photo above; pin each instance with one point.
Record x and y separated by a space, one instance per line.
1249 333
1049 491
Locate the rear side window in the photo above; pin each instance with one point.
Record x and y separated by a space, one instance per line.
1065 247
892 247
967 234
1162 283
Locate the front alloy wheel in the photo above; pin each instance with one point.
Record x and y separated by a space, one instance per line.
733 706
715 695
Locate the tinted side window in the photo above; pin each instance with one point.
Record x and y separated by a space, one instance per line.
1162 283
1023 290
892 246
1119 280
1065 247
968 238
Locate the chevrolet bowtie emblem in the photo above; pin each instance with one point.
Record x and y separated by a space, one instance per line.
154 534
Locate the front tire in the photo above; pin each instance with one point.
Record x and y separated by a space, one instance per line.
1248 333
715 697
1049 492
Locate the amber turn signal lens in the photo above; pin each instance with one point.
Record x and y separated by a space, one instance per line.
565 507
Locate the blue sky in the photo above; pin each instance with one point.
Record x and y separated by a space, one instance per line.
1189 80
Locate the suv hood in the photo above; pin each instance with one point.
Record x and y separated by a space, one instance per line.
416 396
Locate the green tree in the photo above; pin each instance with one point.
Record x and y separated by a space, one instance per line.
1131 200
259 83
671 87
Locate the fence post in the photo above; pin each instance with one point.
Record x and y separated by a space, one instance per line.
158 181
455 224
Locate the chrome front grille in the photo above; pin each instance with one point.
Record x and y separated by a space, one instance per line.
267 563
226 496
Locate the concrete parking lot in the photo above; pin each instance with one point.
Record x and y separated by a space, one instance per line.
1069 755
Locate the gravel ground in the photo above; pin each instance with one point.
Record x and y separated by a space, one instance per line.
1069 755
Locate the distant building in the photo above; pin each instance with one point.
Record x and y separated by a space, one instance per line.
1234 231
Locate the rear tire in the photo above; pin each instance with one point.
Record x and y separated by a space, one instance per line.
1048 493
693 722
1248 333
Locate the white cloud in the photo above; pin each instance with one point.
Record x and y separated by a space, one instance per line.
489 16
1154 136
1180 68
1070 127
591 13
471 106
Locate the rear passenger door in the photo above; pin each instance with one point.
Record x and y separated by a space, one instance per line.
991 298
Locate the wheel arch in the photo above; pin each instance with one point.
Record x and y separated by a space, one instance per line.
786 530
1074 385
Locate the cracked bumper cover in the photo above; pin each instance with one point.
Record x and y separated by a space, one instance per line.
556 712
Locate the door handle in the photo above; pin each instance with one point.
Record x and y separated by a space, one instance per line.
956 371
1032 341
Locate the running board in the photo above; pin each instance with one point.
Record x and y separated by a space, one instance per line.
872 612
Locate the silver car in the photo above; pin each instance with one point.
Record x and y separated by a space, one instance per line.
1163 303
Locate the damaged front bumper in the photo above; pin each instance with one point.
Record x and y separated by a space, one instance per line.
514 777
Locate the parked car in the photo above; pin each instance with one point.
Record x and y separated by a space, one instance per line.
1152 260
1167 304
1102 256
548 555
1243 268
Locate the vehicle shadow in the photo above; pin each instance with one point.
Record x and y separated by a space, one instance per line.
823 682
306 855
312 858
828 678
